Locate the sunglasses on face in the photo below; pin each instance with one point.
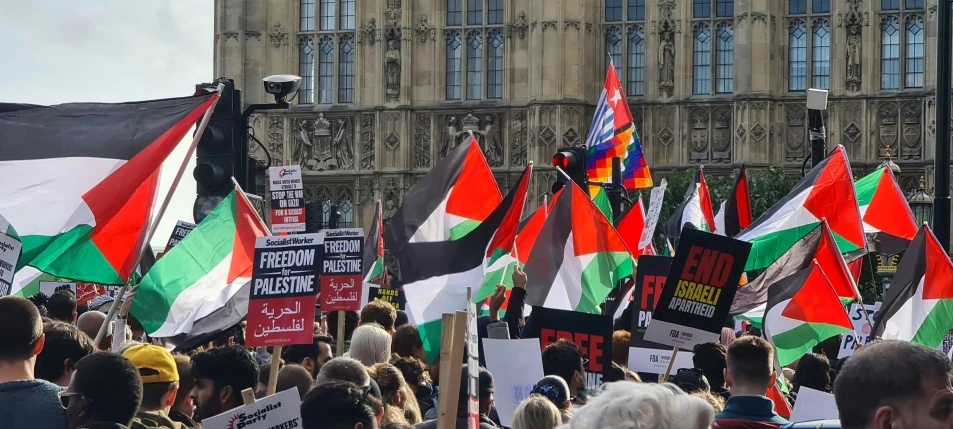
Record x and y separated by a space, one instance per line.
65 396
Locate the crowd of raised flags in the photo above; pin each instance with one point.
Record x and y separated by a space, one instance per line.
80 205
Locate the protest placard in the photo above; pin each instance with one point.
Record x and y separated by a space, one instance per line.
395 297
862 329
341 275
513 378
9 255
473 363
281 410
182 229
651 217
86 292
813 405
591 332
48 288
287 199
698 290
284 279
655 360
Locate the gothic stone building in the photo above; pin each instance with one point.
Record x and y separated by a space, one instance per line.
391 85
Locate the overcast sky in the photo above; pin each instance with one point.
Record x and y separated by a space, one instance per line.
58 51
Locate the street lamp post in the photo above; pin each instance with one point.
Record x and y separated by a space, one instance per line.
941 176
922 204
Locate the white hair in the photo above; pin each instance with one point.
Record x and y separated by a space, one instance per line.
370 344
627 405
536 412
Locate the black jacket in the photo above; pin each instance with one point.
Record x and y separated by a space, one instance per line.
485 422
103 425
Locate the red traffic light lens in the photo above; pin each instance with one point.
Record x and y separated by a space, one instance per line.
561 160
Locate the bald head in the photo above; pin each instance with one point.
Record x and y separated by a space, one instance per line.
90 323
294 376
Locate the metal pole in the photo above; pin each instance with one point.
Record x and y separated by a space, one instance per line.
815 126
941 177
616 189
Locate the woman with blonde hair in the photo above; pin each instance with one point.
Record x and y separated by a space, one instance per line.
641 405
536 412
370 344
395 394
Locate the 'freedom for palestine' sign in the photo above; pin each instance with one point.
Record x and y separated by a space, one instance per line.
281 307
342 277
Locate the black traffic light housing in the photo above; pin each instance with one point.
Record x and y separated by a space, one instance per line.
572 160
222 152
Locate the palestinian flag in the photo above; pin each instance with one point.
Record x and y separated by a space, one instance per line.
373 262
578 256
802 311
918 306
202 285
630 228
855 268
500 262
601 200
446 204
817 246
79 181
695 210
827 192
735 213
888 220
436 274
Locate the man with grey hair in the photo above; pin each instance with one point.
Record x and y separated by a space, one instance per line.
349 370
895 384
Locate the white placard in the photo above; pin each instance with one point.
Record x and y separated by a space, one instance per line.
862 329
281 410
813 405
285 178
9 255
651 219
287 199
655 361
513 379
49 288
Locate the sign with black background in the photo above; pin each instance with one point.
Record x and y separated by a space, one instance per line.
395 297
591 332
650 278
699 290
181 230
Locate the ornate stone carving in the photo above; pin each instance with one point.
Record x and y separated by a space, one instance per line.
278 35
794 147
721 136
912 114
698 124
422 140
518 139
368 134
518 27
366 186
391 130
757 132
316 148
548 24
572 23
666 29
274 142
854 20
253 35
759 17
888 114
392 34
664 121
391 199
852 132
230 35
742 133
369 32
425 30
741 18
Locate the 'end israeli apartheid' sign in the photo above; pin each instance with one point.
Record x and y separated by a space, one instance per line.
284 288
644 356
698 291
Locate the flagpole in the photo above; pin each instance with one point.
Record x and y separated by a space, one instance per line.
165 204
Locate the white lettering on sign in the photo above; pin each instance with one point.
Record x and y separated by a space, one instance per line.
287 258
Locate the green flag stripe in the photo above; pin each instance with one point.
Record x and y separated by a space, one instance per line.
934 328
597 282
60 255
792 344
463 228
430 333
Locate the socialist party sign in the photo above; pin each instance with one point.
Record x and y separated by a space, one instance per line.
182 229
284 279
699 289
287 199
591 332
341 271
279 411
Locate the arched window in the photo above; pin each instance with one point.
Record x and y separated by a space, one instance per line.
701 50
613 10
913 67
454 60
635 70
307 15
494 65
474 66
476 47
890 53
306 70
724 59
614 47
326 68
797 56
821 55
346 70
326 71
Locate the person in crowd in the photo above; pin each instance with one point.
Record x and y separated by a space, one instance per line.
160 386
556 390
830 348
90 323
381 313
536 412
294 376
370 344
750 373
81 308
641 405
691 380
183 407
62 306
104 393
101 303
716 402
894 384
344 369
25 402
485 394
39 300
727 336
311 356
351 320
564 359
220 376
712 360
340 405
418 381
264 376
407 342
620 347
813 372
395 393
64 346
401 319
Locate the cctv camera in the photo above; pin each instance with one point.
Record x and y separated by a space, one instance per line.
281 85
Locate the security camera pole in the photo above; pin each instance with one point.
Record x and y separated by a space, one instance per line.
816 105
941 177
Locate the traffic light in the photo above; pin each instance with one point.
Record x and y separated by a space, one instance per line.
571 160
222 152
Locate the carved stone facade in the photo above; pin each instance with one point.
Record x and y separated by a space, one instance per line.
401 122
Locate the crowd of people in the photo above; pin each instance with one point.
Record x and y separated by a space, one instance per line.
53 375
